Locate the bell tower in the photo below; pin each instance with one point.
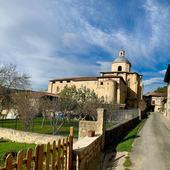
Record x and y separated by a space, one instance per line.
121 64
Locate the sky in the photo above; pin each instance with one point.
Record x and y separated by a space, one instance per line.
68 38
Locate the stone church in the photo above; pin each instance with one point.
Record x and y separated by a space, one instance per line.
119 86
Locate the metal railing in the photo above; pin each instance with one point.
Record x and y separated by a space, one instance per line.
118 116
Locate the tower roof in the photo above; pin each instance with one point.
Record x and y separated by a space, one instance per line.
121 58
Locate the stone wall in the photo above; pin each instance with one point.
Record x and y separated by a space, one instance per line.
98 126
85 151
27 137
168 100
115 134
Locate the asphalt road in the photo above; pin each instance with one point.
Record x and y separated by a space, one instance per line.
151 149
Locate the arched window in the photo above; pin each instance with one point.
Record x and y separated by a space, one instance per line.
120 68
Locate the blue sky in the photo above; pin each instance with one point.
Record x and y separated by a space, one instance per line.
63 38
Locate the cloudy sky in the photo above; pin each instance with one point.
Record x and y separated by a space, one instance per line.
61 38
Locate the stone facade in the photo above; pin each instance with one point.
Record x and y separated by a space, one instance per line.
98 126
155 101
119 86
167 80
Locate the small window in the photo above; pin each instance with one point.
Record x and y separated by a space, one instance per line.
153 102
68 81
61 81
101 83
120 68
58 89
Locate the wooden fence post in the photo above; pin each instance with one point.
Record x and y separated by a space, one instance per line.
36 157
9 161
53 155
40 157
20 158
29 159
47 160
70 164
72 131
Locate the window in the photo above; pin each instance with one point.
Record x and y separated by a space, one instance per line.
153 102
101 83
58 89
128 82
120 68
61 81
68 81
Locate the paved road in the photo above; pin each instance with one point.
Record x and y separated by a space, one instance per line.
151 150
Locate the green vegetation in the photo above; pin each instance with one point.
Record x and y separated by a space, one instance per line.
46 129
126 143
127 162
127 169
9 146
161 89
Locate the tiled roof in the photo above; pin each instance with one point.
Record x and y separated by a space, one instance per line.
87 78
154 94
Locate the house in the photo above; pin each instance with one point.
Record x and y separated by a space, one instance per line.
167 80
155 101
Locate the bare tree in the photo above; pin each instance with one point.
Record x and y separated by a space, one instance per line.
26 103
50 109
10 81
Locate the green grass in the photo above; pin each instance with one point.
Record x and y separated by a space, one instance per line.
127 162
47 129
8 146
126 143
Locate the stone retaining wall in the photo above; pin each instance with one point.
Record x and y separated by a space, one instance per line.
27 137
85 151
115 134
98 126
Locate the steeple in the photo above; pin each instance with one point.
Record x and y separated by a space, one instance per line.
121 53
121 63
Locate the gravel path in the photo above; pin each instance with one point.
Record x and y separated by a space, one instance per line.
151 150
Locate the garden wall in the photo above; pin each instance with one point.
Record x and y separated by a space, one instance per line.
98 126
85 151
115 134
27 137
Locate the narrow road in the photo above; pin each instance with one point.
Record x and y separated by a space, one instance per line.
151 149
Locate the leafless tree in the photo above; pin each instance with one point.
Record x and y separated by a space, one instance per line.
26 103
10 81
50 109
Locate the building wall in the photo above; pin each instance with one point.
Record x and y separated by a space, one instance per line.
125 66
158 103
168 100
103 87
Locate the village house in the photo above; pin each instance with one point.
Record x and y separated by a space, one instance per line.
120 86
167 80
155 101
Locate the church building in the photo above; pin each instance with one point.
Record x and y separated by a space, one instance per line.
120 86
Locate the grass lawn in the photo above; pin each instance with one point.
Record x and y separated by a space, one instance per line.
47 129
126 143
8 146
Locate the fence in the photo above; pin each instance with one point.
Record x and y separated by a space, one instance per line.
118 116
54 157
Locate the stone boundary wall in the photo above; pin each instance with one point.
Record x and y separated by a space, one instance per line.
27 137
85 151
98 126
115 134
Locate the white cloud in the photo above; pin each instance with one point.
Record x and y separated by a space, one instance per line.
48 39
162 71
156 80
